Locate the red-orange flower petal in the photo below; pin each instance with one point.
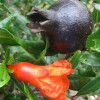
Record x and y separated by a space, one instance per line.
59 68
55 87
51 80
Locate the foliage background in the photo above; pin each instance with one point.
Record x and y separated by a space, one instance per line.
18 44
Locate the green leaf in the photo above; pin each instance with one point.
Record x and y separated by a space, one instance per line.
20 23
96 6
7 56
96 15
19 54
9 70
43 53
4 22
98 1
14 97
6 37
94 36
28 93
51 59
90 87
8 60
91 58
33 47
96 45
75 58
4 77
78 82
5 8
11 59
84 70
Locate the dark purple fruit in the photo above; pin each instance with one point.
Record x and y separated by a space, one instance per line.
67 23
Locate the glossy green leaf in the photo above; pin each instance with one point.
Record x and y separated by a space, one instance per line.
75 58
6 37
90 87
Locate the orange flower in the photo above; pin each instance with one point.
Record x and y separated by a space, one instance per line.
51 80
